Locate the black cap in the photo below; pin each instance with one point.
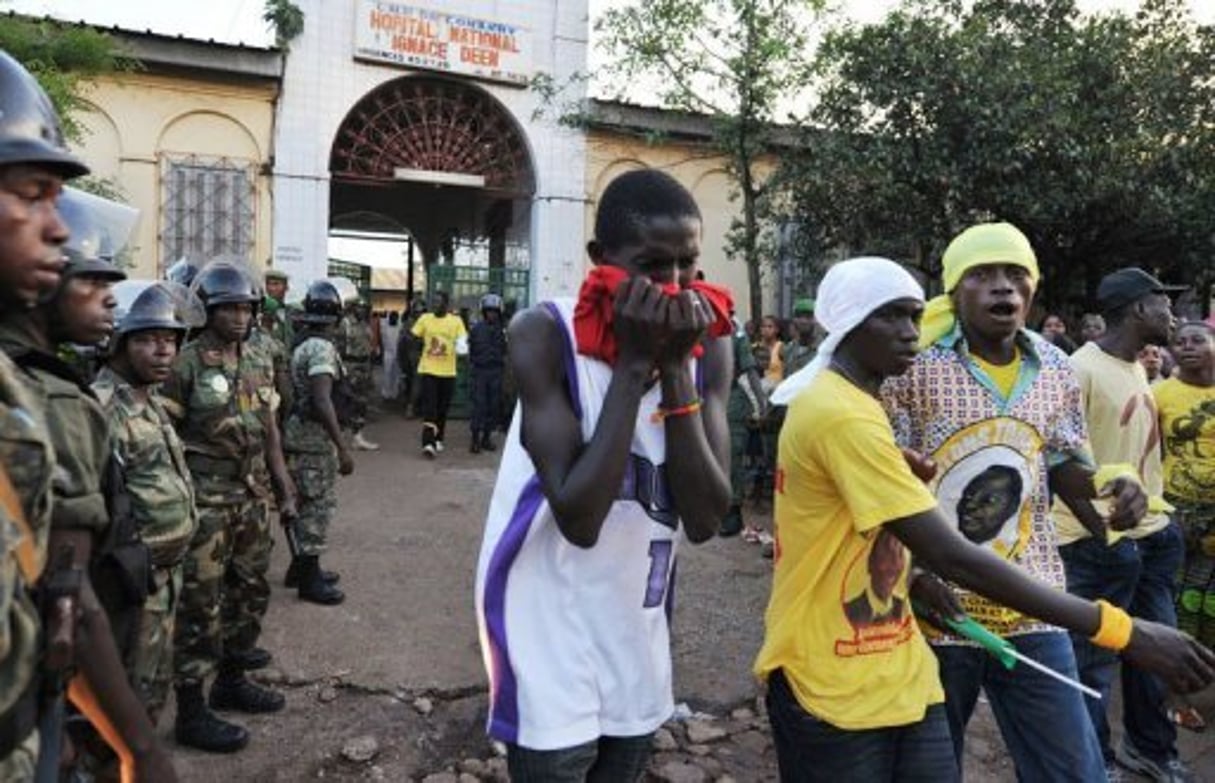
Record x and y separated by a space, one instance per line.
1130 284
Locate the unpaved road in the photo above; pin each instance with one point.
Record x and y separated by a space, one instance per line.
406 544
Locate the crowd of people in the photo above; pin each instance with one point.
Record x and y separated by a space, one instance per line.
935 467
925 460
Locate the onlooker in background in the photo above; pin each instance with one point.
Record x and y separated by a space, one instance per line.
1132 566
409 352
1187 425
1052 325
1152 359
797 353
748 403
487 359
390 336
439 331
1092 326
770 338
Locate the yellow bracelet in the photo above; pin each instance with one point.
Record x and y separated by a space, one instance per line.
669 413
1116 626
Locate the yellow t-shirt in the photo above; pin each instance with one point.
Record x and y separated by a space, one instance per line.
1004 376
1187 421
839 622
1122 428
438 337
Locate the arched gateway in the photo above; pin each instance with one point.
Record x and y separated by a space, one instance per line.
445 160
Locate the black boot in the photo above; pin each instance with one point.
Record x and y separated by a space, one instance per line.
313 587
198 727
249 660
487 443
474 445
292 578
233 691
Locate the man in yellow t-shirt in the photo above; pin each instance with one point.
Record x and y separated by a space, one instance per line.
1138 570
853 689
441 333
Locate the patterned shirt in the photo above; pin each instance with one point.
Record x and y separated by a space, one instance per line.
993 454
157 479
314 356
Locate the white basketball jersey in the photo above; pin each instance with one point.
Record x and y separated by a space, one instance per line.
576 641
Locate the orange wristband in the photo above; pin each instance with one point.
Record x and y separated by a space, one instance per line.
666 413
1114 633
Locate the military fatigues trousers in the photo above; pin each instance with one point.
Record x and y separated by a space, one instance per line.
153 667
224 587
315 475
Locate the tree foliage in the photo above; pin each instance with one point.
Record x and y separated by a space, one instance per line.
286 20
741 63
62 57
1094 134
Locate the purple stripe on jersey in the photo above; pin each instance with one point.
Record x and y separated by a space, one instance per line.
571 369
670 603
504 712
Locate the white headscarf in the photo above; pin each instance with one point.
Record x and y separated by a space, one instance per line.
851 290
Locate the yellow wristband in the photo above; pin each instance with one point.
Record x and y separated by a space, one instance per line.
1114 633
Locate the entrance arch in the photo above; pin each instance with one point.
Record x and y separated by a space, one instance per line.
444 159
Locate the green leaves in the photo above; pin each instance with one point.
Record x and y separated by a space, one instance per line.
1094 134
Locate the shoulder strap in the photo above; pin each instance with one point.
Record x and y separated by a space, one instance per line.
28 557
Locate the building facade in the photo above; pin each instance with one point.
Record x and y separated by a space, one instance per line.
417 119
187 138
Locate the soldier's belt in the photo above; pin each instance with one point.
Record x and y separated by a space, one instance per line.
20 720
202 465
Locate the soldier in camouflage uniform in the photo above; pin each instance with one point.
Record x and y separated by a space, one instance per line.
145 342
741 407
222 398
356 350
316 450
797 353
40 514
275 317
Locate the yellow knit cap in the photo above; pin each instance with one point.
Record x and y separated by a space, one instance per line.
981 245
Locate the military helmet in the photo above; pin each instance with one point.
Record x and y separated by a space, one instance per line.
152 304
491 302
224 282
29 128
322 303
182 271
98 231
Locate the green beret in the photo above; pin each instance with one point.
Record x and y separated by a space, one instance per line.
803 306
277 274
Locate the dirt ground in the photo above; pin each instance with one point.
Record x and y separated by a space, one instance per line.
389 685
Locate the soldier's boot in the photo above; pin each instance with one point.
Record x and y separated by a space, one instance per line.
198 727
233 691
474 445
487 443
249 660
292 578
313 587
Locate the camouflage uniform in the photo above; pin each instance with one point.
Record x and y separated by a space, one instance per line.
162 501
263 340
794 356
219 407
25 451
738 411
356 352
311 455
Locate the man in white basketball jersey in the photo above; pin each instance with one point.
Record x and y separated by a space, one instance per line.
619 437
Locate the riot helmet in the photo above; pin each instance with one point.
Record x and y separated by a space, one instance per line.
322 303
29 128
225 282
151 304
99 230
491 302
183 271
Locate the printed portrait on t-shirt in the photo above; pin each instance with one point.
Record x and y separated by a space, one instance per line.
985 476
877 603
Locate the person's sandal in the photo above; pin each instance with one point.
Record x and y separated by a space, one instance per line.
1187 717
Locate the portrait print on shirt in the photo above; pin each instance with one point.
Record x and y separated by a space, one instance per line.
874 598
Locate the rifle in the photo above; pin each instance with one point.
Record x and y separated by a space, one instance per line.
292 536
59 597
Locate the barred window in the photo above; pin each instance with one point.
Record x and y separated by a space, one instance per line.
207 207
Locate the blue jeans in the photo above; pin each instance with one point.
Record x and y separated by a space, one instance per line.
1044 723
605 760
809 750
1139 576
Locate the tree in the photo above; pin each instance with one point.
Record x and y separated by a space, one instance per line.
286 19
741 63
62 57
1093 134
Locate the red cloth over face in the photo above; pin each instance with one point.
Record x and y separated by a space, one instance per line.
596 308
